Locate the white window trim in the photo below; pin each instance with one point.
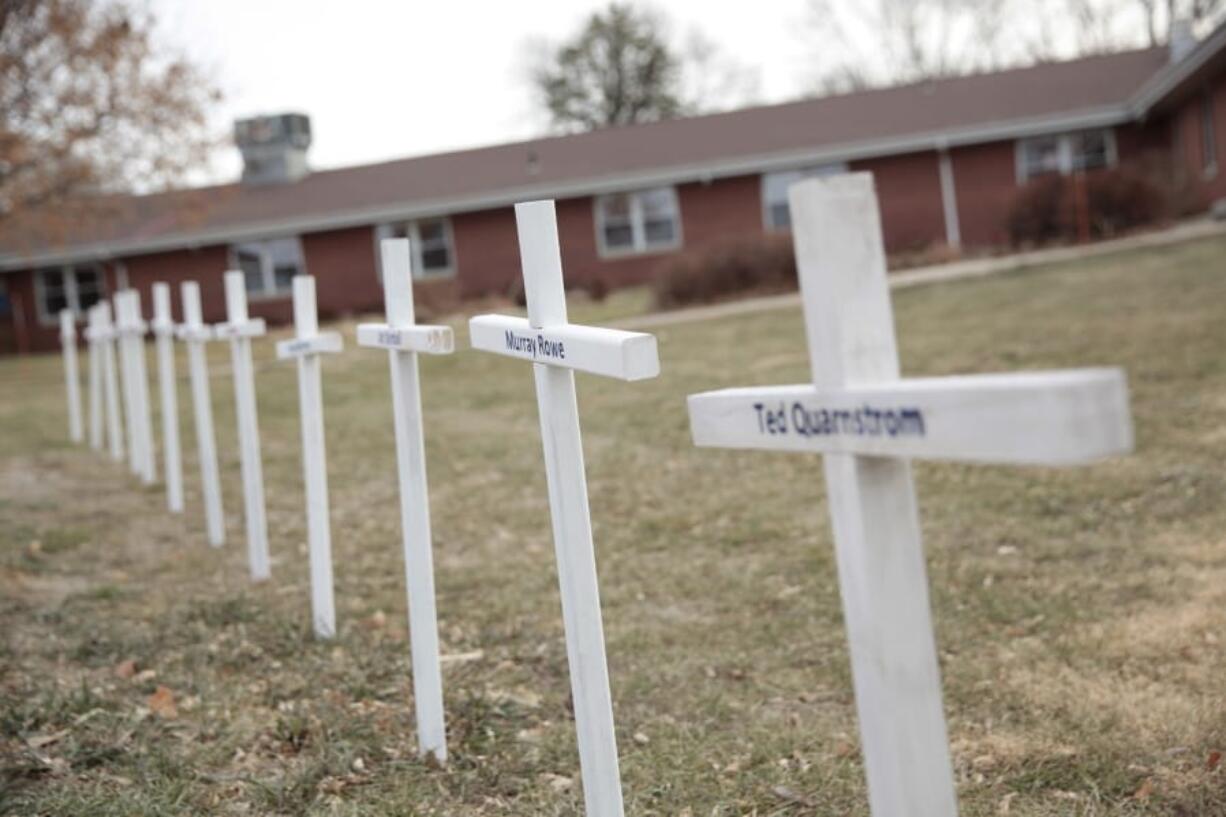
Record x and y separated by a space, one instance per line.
807 172
1064 147
71 294
418 269
270 292
639 244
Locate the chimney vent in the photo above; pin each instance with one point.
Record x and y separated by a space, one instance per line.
274 147
1183 41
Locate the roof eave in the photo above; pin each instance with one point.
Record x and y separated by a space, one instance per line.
1105 116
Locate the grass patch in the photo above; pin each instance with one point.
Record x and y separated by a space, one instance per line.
1078 612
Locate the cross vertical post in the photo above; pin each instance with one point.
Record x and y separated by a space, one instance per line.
869 423
556 348
240 329
307 346
131 327
72 374
104 331
404 339
879 552
195 333
96 434
164 329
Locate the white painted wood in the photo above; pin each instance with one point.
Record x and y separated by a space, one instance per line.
430 340
239 329
110 381
72 375
1037 418
404 340
616 354
608 352
949 200
131 328
96 432
314 460
127 385
196 334
869 424
164 330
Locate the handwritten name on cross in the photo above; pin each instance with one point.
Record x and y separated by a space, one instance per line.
239 329
72 374
869 423
308 344
195 333
131 328
558 347
404 340
164 332
101 332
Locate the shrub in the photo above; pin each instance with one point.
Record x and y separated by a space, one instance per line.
759 265
1045 210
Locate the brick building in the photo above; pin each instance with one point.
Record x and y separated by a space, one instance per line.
948 156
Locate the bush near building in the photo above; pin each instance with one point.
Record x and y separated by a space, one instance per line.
1115 201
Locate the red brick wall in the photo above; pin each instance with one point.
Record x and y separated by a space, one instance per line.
344 267
205 266
909 194
985 181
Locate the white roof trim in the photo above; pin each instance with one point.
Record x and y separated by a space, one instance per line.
1154 89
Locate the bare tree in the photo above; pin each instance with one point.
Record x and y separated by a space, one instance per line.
90 104
622 68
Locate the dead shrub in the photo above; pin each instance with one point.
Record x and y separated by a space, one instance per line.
1045 210
763 264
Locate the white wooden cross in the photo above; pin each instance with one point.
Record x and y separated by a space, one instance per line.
308 344
870 423
164 330
239 329
102 333
72 374
96 434
131 328
404 340
196 333
557 348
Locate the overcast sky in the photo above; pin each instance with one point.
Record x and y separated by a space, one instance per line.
383 80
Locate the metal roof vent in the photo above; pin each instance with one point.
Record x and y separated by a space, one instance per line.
1183 40
274 147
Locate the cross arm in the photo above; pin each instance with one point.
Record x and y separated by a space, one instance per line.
432 340
230 330
324 342
1034 418
610 352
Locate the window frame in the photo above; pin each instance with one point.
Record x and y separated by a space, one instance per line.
800 174
269 291
417 268
638 230
1064 152
72 291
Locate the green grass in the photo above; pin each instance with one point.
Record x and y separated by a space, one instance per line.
1079 613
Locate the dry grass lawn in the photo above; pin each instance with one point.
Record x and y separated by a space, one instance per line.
1080 614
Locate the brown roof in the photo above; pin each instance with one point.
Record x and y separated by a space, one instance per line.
983 107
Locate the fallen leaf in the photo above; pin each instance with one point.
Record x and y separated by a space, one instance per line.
125 669
1006 804
1215 758
162 703
376 620
461 657
786 794
1145 790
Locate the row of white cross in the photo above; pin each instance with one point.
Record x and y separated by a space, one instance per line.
857 411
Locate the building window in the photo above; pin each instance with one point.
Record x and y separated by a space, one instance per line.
638 222
775 186
269 266
75 288
1208 136
430 242
6 306
1065 153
